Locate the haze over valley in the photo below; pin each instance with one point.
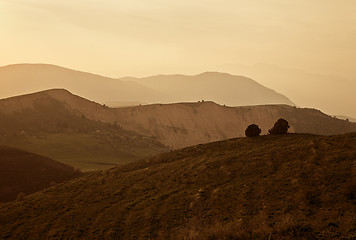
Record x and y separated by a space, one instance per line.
177 120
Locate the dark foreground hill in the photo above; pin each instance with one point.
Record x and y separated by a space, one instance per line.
23 173
273 187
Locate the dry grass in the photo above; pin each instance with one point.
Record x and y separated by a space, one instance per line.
278 187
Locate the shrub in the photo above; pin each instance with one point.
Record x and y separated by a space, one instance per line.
252 131
280 127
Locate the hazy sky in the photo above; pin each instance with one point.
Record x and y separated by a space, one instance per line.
145 37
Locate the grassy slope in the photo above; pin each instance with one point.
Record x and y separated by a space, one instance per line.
44 125
24 172
287 187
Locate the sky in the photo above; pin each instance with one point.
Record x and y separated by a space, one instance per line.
146 37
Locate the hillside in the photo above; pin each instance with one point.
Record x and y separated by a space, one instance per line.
174 125
221 88
22 172
272 187
186 124
44 123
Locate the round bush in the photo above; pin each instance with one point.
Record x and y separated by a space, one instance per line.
280 127
252 131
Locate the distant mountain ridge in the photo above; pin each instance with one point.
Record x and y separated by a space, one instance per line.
222 88
210 86
26 78
332 94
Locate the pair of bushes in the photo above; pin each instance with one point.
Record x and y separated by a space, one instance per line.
280 127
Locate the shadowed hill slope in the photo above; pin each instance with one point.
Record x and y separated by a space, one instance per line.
45 123
24 172
279 187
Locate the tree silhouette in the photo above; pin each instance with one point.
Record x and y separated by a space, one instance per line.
252 131
280 127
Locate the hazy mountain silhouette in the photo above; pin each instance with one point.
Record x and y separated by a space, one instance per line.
330 93
26 78
279 187
219 87
24 173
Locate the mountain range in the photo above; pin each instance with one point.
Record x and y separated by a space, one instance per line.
219 87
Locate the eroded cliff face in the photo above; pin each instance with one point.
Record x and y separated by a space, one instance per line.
187 124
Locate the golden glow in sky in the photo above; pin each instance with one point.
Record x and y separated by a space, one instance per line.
145 37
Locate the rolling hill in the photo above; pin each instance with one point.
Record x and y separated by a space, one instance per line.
44 123
55 122
219 87
24 173
294 186
186 124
